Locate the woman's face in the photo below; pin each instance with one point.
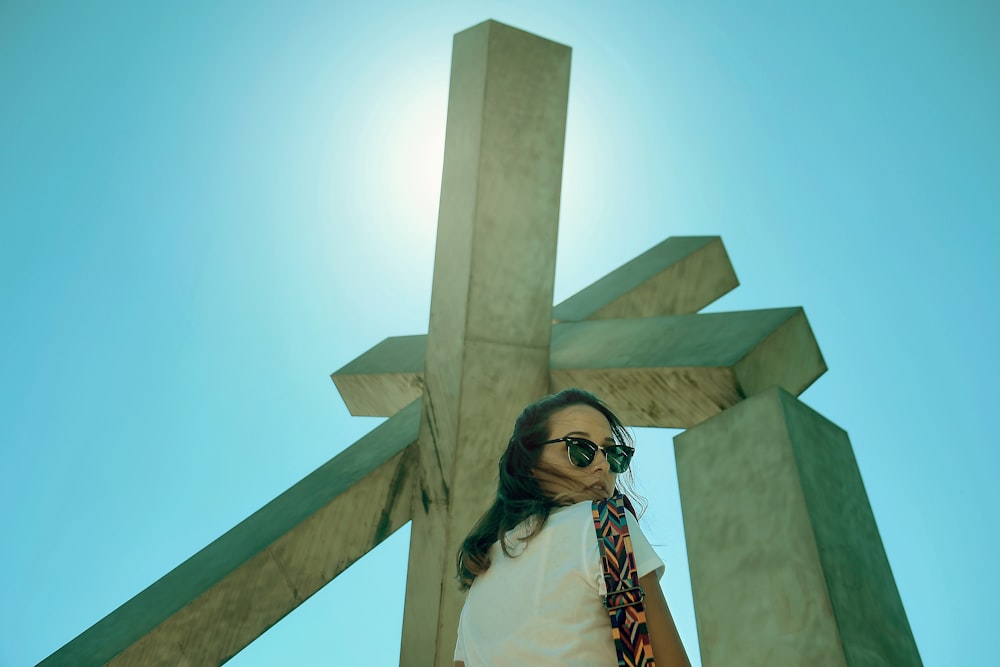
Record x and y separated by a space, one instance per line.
596 481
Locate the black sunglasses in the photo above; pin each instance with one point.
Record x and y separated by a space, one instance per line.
581 453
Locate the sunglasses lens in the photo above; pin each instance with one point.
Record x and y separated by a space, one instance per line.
581 452
618 459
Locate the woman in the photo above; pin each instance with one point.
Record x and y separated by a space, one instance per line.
531 565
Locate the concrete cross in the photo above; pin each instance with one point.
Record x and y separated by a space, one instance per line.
767 485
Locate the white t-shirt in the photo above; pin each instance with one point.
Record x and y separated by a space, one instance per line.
545 607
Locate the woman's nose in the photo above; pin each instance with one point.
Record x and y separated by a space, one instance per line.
600 461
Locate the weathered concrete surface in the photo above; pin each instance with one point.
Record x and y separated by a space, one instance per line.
670 371
487 352
386 377
777 579
787 567
680 275
230 592
678 371
683 274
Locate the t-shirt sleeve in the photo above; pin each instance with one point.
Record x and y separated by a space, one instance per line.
646 558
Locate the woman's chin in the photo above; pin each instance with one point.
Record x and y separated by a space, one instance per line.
601 491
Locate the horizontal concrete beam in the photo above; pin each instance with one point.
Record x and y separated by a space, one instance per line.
680 275
225 596
671 371
678 371
385 378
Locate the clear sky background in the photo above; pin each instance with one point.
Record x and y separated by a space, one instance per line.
206 208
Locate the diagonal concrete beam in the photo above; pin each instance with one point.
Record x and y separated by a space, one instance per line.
683 274
680 275
225 596
671 371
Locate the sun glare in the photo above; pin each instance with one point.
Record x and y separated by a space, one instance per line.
408 154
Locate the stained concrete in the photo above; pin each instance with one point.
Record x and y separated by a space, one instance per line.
487 352
669 371
682 274
677 371
677 276
386 377
787 567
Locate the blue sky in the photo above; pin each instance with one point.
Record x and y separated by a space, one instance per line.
206 208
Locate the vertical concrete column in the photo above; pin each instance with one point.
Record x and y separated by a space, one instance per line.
787 566
491 309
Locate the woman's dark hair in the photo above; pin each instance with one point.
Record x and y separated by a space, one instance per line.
520 497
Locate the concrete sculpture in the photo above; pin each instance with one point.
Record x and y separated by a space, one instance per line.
787 566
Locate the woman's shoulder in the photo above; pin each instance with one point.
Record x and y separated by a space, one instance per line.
584 507
570 518
574 512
